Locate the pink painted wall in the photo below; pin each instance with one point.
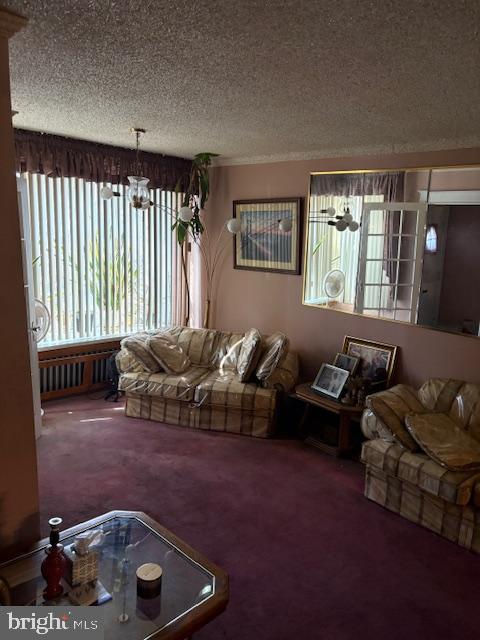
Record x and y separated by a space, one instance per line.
271 301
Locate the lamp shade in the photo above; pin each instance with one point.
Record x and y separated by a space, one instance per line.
341 225
234 225
137 192
353 226
185 214
285 225
106 193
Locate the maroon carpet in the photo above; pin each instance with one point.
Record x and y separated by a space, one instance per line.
308 556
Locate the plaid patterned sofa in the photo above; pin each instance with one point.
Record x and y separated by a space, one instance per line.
208 395
404 478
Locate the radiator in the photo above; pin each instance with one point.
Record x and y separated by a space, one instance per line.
70 370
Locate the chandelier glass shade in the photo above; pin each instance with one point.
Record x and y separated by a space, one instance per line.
138 193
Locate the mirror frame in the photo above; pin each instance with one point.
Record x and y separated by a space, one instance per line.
305 241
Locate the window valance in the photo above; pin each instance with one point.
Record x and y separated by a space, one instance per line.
389 184
57 156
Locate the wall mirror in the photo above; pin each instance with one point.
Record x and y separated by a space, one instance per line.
398 245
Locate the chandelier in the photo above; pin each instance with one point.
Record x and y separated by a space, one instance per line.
340 222
138 193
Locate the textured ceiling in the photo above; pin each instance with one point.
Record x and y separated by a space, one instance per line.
252 80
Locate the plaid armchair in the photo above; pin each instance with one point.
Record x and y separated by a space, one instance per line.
422 456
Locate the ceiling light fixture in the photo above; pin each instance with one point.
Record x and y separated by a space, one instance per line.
138 193
341 223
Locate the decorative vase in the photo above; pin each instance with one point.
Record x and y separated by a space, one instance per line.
54 565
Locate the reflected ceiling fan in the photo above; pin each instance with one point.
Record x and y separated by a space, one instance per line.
41 324
334 283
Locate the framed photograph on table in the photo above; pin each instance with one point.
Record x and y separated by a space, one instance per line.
344 361
330 381
377 359
270 235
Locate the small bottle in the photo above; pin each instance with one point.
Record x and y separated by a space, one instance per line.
53 566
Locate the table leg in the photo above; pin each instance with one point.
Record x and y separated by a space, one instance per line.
344 433
303 420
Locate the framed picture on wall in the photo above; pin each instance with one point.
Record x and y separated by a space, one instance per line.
377 359
270 235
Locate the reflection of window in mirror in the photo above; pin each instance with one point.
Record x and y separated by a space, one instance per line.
431 239
414 259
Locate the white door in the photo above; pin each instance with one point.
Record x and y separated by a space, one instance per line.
390 259
22 195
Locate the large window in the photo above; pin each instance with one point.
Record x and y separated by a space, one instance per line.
101 267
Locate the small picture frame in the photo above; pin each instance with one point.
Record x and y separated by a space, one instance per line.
330 381
349 363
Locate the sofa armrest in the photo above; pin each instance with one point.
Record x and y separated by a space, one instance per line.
391 407
285 376
127 363
373 428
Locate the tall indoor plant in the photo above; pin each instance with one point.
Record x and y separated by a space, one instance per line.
194 200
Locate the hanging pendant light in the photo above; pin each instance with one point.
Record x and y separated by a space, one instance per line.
138 193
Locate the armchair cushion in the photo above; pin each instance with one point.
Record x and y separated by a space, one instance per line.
418 469
249 354
274 350
169 355
438 394
445 441
391 407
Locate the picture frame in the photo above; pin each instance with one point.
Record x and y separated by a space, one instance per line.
330 381
261 245
372 356
347 362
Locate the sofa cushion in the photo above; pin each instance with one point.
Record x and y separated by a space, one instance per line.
164 385
391 407
169 355
137 346
285 375
249 354
198 344
227 351
274 350
419 470
445 441
227 390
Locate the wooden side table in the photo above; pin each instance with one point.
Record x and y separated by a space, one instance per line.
346 415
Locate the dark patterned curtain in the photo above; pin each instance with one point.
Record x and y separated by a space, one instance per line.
57 156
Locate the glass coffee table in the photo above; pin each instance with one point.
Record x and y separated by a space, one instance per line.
193 591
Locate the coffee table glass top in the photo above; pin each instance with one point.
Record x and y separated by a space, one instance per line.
128 543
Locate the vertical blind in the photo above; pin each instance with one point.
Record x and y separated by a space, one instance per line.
101 267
